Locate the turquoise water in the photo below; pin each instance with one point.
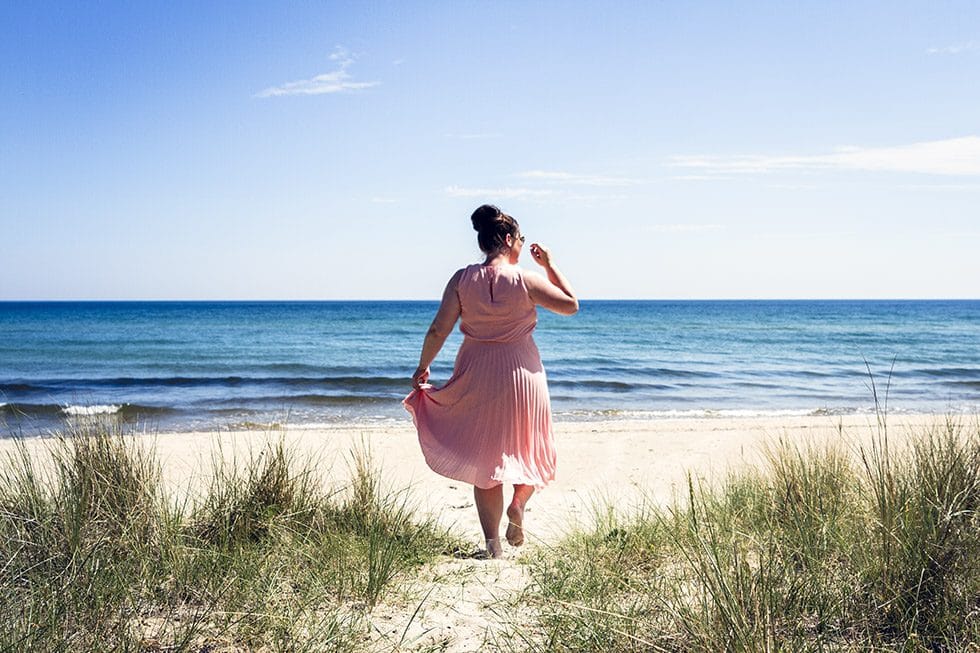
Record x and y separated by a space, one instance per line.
232 364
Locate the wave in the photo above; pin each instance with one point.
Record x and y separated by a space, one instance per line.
945 372
627 369
303 368
31 410
677 413
312 399
615 386
972 385
90 411
721 413
706 413
16 387
207 381
756 384
326 422
610 378
77 410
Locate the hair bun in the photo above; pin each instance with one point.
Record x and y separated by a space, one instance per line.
486 217
493 226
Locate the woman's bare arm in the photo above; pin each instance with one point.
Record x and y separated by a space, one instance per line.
556 294
442 326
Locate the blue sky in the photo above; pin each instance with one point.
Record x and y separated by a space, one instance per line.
336 150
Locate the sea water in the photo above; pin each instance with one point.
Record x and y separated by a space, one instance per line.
217 365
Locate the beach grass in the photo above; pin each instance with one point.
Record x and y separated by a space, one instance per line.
820 548
861 542
95 553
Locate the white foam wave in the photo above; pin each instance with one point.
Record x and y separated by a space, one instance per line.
346 421
742 412
86 411
734 413
701 413
731 412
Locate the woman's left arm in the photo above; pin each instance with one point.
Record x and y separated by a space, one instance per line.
442 326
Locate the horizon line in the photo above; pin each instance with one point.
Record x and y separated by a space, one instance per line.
429 299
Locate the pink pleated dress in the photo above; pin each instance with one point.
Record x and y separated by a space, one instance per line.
491 422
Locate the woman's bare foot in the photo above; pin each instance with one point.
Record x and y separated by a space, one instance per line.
515 525
494 549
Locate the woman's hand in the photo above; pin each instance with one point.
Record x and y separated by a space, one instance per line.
541 255
556 294
421 376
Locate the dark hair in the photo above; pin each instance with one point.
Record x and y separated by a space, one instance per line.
492 227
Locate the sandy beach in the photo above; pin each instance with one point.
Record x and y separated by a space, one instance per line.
466 605
619 462
623 462
463 604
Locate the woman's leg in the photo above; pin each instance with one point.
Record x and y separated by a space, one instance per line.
515 514
490 508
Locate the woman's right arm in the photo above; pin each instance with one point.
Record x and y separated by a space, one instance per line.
556 293
442 326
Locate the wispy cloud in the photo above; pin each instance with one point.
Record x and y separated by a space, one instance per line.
336 81
970 188
683 228
507 192
383 200
555 176
954 156
956 48
553 186
703 177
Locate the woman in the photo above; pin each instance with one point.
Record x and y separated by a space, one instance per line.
490 424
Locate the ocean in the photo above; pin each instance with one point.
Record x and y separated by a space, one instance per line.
220 365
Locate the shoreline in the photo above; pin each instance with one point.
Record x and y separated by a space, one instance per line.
121 416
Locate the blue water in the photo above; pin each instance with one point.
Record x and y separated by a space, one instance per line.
213 365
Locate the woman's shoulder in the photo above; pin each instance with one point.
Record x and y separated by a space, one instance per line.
525 275
479 270
467 271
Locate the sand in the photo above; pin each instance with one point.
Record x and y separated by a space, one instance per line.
622 462
619 463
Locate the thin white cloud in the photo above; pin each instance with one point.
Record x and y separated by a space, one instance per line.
956 48
555 176
342 55
971 188
336 81
506 192
555 186
807 236
711 177
954 156
684 228
586 198
383 200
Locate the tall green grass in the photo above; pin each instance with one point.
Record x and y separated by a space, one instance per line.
96 555
815 550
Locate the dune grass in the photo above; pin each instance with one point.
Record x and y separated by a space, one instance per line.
821 548
95 555
816 550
